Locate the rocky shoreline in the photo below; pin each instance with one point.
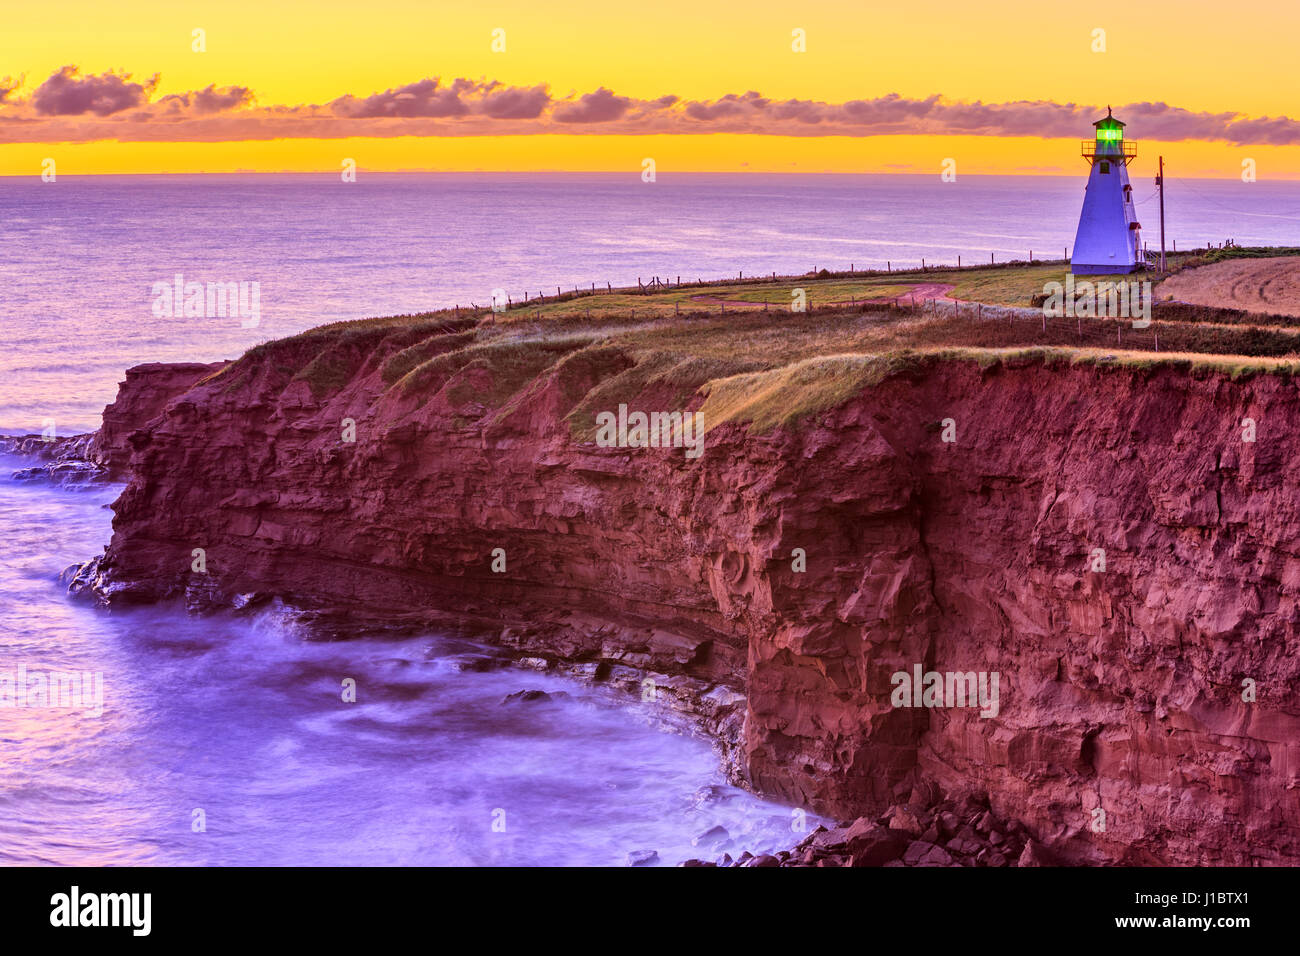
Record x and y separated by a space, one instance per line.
66 462
923 832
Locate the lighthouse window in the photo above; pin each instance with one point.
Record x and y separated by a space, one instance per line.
1105 168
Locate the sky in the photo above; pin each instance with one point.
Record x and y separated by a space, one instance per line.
1002 86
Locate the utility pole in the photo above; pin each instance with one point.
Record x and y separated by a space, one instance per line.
1160 183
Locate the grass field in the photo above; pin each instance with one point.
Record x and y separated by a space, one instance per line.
768 365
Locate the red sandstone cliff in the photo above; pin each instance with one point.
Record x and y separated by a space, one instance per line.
1120 689
103 455
141 398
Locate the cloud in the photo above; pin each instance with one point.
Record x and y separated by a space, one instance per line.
208 100
425 98
1271 132
727 107
7 85
68 93
71 107
513 102
888 110
430 98
601 106
800 111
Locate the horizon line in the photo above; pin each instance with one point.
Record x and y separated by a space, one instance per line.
333 172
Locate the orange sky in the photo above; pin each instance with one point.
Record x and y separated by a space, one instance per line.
301 57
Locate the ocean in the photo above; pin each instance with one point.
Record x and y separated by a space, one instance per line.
236 721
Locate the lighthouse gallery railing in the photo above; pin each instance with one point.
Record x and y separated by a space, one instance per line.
1101 149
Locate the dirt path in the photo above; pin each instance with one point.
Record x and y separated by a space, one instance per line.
932 290
1256 285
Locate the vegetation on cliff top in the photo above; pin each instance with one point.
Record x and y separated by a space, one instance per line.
737 350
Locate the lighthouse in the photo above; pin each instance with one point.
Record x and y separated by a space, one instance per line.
1108 240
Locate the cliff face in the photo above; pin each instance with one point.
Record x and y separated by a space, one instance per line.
141 398
1119 689
103 455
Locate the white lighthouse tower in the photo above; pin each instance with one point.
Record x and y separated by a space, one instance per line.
1108 240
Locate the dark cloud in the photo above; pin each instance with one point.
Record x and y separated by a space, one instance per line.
800 111
212 99
887 110
68 93
1160 120
514 102
729 106
1270 132
425 98
601 106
